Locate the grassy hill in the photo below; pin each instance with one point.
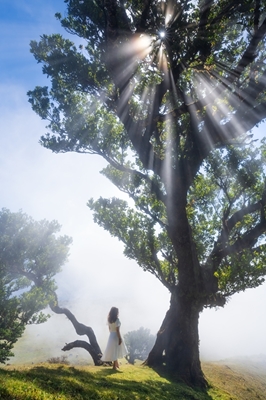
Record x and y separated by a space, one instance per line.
46 381
243 378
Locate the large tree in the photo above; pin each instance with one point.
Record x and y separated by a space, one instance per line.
31 253
167 93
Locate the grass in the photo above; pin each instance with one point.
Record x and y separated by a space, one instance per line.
63 382
245 382
30 379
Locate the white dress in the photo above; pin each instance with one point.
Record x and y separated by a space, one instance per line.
113 350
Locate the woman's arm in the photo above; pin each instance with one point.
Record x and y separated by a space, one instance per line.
119 336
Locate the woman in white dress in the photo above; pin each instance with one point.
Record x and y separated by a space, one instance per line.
115 348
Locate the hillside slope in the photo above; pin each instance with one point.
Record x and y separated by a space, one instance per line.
244 378
229 380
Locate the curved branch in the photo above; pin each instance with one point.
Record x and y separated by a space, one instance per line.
248 239
251 51
81 329
158 271
84 345
240 214
153 186
241 123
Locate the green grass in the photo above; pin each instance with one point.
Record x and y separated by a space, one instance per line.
229 380
61 382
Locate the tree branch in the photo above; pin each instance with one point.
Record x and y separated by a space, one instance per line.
251 51
142 25
248 239
80 329
153 186
227 11
257 15
84 345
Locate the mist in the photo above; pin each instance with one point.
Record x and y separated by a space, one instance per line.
49 186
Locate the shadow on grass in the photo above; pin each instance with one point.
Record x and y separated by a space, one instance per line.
164 373
5 395
104 384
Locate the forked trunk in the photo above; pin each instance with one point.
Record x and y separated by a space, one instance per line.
177 344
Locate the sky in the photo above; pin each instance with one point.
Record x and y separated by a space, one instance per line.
57 187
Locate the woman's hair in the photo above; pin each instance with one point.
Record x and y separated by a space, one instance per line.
113 314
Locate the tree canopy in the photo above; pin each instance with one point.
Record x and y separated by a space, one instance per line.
31 253
167 93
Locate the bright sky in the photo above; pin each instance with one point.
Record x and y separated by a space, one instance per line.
50 186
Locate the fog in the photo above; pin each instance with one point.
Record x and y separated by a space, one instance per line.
97 275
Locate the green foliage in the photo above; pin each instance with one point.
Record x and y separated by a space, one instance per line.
246 270
229 181
31 253
172 117
149 247
10 326
139 343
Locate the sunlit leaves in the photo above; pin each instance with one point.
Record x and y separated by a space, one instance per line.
202 212
82 125
142 189
147 77
85 19
142 241
169 114
68 66
244 270
230 181
211 40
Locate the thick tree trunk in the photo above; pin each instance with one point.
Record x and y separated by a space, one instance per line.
177 345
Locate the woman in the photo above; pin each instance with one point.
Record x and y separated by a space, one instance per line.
115 348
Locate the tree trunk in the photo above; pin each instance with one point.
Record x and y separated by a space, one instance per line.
177 345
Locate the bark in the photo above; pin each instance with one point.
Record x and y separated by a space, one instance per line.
177 345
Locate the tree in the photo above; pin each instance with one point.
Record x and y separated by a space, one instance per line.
31 253
10 327
167 93
139 343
